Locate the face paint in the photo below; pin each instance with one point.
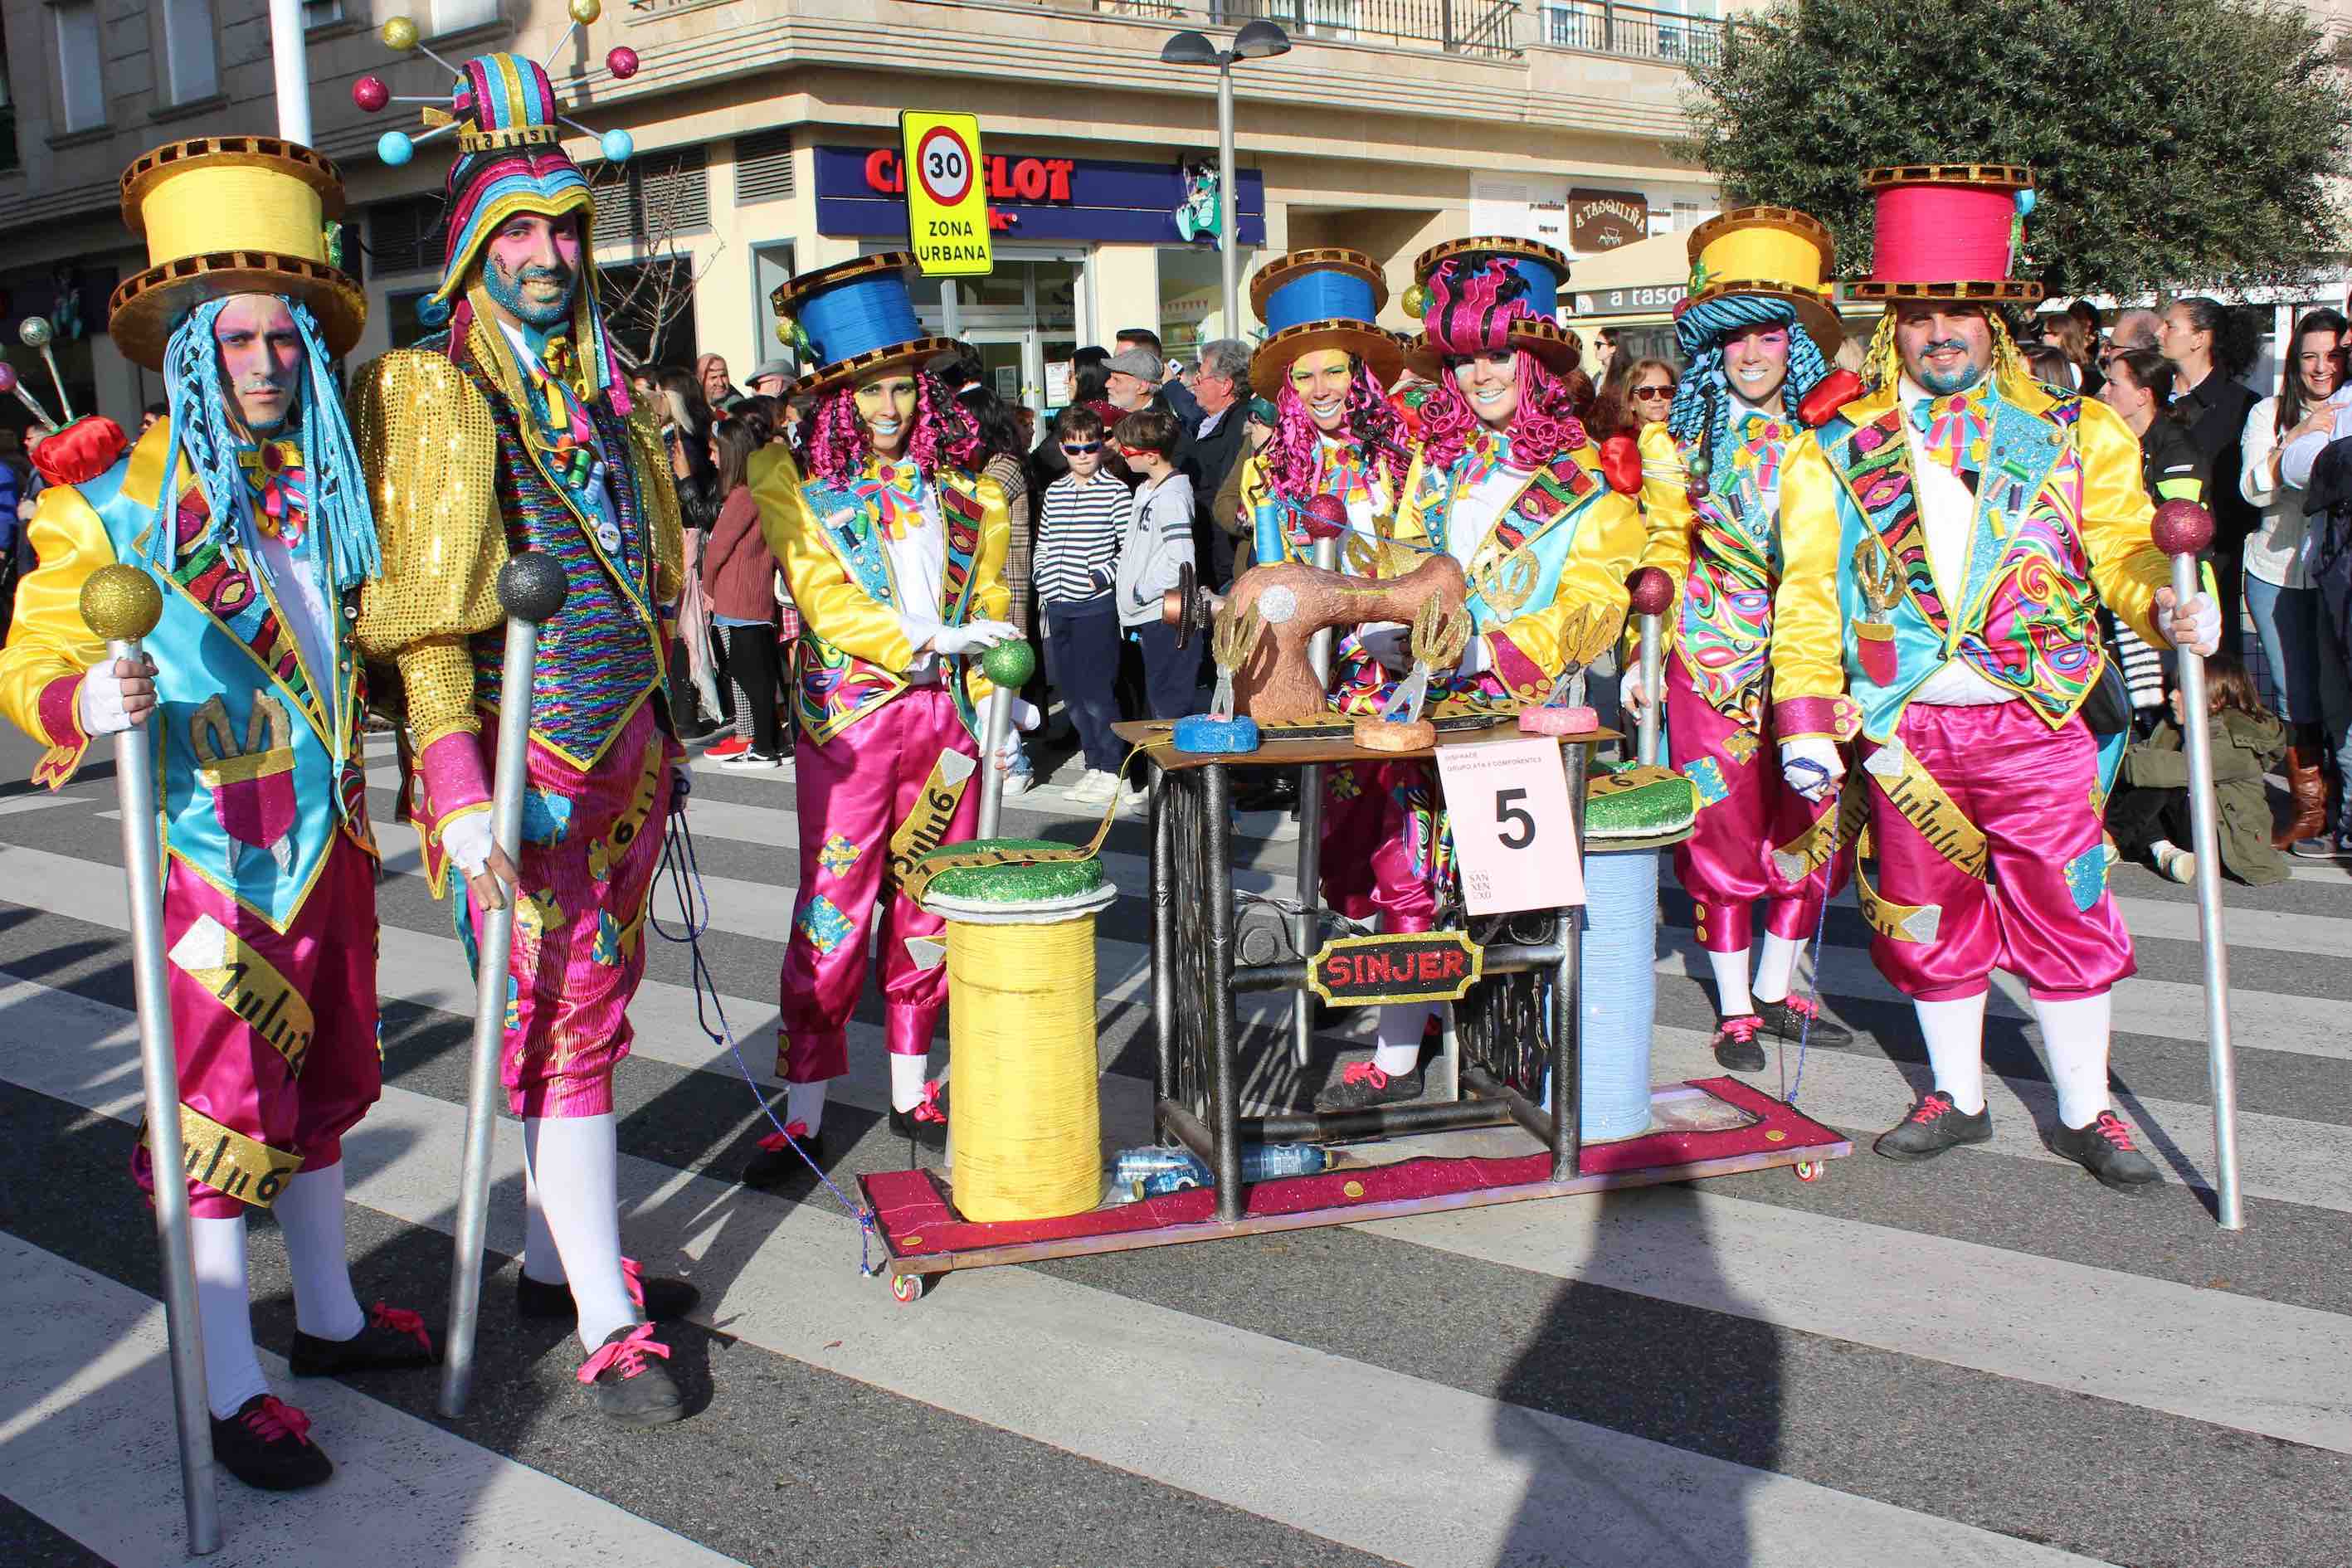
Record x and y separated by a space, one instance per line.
1491 382
532 269
1757 360
1321 380
885 405
260 360
1945 348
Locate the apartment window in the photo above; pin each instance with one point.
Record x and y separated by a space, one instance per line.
81 62
191 62
321 12
457 15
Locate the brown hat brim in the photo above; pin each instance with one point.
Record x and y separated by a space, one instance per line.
1548 340
1270 364
147 306
2008 292
915 355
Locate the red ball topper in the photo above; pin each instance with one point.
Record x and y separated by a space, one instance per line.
1650 590
1326 517
2182 528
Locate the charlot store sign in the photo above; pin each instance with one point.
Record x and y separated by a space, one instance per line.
860 194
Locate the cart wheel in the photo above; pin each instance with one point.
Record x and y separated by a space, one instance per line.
1810 1170
907 1288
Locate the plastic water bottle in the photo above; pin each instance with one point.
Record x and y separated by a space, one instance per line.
1134 1166
1260 1162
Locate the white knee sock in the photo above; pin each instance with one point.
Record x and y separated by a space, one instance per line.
311 1214
805 1103
576 1159
1954 1034
1731 998
541 1260
1776 967
1397 1050
2074 1038
224 1305
906 1075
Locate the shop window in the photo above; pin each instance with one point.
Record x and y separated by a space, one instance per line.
772 269
191 56
1191 299
81 63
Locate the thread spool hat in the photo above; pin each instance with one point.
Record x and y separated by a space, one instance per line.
1949 231
1777 253
231 215
853 320
1489 292
1325 298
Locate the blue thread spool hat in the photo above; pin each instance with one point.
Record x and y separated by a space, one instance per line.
1485 293
853 320
1325 298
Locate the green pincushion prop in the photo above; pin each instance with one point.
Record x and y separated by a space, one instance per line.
1015 879
1638 808
1008 665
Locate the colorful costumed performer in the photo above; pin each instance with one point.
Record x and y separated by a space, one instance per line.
1945 540
893 547
248 508
1755 330
1507 483
1326 369
510 430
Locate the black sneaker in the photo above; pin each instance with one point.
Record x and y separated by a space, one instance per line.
1934 1125
927 1122
1363 1084
2104 1149
391 1339
1735 1043
628 1381
776 1166
266 1445
1787 1019
661 1300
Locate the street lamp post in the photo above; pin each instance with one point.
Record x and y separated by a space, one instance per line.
1256 41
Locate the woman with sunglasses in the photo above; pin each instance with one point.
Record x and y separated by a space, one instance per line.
1635 395
1507 482
1759 352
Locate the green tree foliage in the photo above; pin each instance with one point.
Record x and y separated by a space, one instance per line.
2173 141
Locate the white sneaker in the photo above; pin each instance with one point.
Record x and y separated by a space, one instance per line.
1133 796
1095 787
1019 781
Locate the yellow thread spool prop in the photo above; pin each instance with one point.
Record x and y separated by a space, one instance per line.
1021 1007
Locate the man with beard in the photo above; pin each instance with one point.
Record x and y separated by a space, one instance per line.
1945 540
512 430
246 506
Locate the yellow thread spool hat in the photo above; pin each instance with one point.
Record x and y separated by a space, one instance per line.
1777 252
231 215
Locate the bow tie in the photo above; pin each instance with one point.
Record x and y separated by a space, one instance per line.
274 470
1953 428
895 493
1755 429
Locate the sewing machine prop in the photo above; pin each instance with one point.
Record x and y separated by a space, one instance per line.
1543 1086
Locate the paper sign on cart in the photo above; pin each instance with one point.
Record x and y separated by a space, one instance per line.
1514 834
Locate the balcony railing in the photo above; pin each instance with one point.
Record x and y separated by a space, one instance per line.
1604 27
1454 26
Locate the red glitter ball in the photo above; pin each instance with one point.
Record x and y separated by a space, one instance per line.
622 62
370 93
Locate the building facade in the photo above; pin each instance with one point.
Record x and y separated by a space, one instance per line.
766 134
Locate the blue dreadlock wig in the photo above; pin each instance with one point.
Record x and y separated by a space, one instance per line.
341 520
1702 409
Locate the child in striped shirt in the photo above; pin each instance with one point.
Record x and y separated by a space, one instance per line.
1080 522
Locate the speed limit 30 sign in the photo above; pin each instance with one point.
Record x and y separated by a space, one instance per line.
946 200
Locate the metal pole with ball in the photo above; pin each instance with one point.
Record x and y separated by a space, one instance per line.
121 606
1652 592
531 589
2182 530
1008 666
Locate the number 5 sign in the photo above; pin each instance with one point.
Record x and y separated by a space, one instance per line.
1514 834
947 197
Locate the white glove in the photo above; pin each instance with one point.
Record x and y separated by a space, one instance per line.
1811 766
1025 716
469 841
947 641
2195 626
1389 643
1631 694
103 706
1008 750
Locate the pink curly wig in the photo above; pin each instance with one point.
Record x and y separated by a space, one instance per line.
1291 458
838 445
1545 425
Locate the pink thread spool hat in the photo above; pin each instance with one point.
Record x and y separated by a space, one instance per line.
1949 231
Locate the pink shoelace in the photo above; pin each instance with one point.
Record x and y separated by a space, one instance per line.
2114 1130
1803 1006
775 1143
400 1321
273 1420
1743 1028
1364 1072
1935 1105
628 1353
930 1110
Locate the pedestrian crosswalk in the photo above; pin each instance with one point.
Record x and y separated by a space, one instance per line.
1989 1360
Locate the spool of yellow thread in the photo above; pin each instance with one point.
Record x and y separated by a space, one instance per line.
1021 1031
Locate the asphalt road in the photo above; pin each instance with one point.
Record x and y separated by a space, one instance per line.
1989 1360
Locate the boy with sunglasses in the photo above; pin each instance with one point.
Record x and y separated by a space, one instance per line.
1083 516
